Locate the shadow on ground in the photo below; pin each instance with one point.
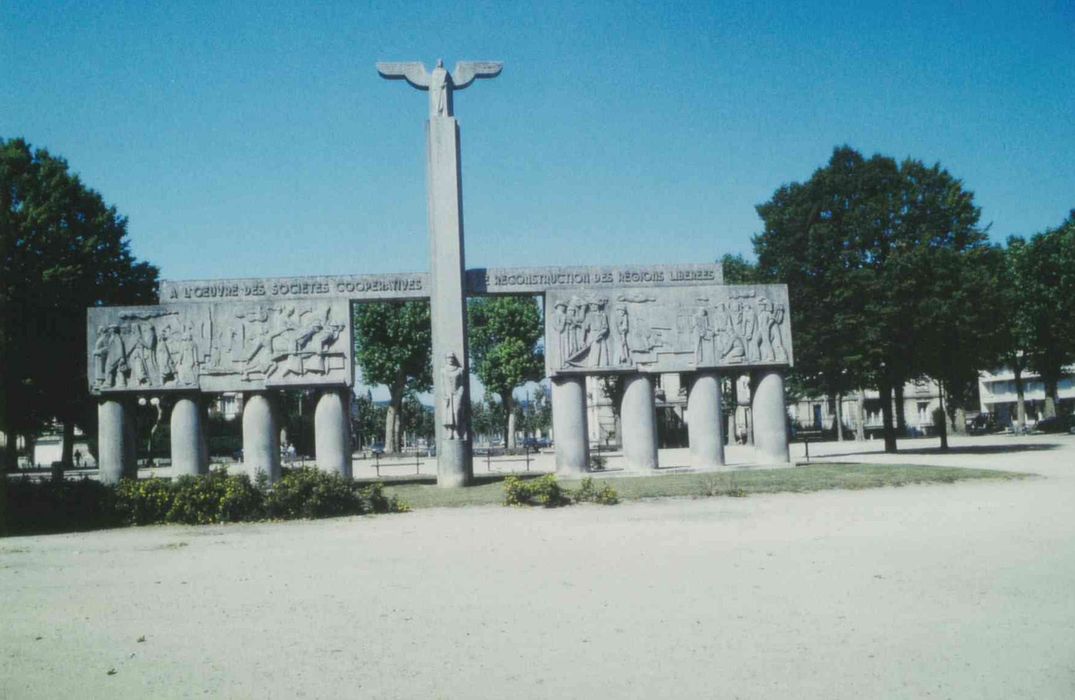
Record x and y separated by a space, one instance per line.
961 450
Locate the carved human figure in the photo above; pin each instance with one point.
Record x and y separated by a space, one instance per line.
703 336
576 311
596 333
559 326
112 358
165 356
722 330
776 336
438 91
765 328
453 404
623 330
748 329
188 363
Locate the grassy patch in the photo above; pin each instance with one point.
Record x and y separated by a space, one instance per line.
813 477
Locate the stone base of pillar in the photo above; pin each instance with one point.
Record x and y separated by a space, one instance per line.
332 432
704 421
770 419
188 438
569 425
454 468
639 417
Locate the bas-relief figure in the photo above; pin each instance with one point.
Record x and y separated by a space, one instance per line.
453 388
666 329
220 347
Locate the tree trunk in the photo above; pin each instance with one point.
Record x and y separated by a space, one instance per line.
508 401
839 419
28 442
1050 397
860 404
959 420
11 453
886 416
392 432
901 417
942 427
1020 400
67 454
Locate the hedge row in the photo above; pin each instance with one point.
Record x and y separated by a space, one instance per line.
217 497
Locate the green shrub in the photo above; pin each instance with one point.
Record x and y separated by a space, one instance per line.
56 506
218 497
587 492
144 502
377 502
307 492
542 491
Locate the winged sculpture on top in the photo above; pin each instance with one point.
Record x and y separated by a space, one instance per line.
439 82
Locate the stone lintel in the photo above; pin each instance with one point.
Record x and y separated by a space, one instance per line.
377 287
536 280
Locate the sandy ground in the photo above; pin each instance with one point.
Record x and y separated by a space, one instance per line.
964 590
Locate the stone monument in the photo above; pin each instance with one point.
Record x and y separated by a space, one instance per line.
446 258
262 335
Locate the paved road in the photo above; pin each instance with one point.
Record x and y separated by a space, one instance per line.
964 590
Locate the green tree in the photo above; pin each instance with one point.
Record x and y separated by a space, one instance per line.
739 270
61 249
505 349
1046 272
369 421
418 418
1013 322
393 347
860 245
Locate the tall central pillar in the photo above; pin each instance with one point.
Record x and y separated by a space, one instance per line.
448 303
451 379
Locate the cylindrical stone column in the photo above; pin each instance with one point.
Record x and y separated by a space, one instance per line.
332 432
770 418
261 435
188 437
569 425
114 444
704 421
638 414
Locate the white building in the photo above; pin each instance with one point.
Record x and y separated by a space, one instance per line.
998 397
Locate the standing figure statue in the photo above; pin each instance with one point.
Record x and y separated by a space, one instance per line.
454 417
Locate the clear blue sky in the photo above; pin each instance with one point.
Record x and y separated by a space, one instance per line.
247 139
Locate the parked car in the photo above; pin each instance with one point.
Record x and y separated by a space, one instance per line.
377 448
982 424
536 443
1057 424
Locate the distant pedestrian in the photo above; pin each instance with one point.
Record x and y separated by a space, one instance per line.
78 459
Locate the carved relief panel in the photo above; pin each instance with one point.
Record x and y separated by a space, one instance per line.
219 347
665 329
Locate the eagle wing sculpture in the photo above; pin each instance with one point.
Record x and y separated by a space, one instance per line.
467 71
414 72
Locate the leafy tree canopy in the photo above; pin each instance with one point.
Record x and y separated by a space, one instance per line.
869 248
62 249
505 347
393 347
